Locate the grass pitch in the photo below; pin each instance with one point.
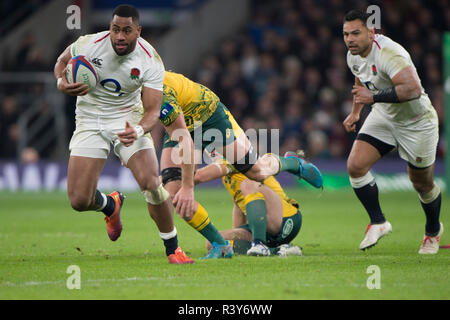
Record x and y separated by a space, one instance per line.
41 236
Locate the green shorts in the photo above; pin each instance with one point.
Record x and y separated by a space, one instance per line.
290 228
219 130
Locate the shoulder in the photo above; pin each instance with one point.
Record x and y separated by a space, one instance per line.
93 37
87 41
147 51
388 47
350 58
352 61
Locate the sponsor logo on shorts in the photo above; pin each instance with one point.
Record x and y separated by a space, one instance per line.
287 228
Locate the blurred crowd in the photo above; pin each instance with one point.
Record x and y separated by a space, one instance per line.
285 70
25 107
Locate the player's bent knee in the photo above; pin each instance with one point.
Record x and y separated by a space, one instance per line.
355 170
429 195
256 173
249 186
172 187
422 187
156 196
150 183
80 203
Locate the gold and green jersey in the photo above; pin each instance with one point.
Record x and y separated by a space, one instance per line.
182 95
232 183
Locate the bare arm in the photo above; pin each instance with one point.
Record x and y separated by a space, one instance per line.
177 130
151 100
351 120
210 172
184 199
406 87
407 84
74 89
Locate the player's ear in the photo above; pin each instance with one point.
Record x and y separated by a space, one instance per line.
139 29
371 33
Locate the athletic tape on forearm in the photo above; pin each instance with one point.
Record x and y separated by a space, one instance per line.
139 131
386 95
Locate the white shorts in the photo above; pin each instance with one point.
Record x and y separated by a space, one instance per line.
416 142
93 138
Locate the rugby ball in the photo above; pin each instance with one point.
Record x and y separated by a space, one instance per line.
79 69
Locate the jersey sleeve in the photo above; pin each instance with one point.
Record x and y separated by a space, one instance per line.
170 109
154 75
350 63
392 60
79 47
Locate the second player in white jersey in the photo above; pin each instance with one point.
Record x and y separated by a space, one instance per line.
120 78
376 71
402 117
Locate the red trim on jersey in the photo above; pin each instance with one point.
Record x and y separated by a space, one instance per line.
144 49
377 44
102 38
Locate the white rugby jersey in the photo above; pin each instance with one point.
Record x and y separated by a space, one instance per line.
120 78
376 70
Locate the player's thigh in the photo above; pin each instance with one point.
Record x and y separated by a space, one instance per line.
290 228
374 140
82 177
126 153
274 209
417 143
231 142
236 150
363 156
170 158
144 166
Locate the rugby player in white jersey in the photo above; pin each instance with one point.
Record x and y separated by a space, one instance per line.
401 117
126 102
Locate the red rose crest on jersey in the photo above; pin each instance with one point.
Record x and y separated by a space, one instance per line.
374 70
134 74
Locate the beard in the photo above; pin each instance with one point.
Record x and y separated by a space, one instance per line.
359 50
126 49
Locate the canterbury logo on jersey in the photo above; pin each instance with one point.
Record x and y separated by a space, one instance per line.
97 62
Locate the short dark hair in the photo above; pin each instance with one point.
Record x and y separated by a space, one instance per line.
356 14
125 10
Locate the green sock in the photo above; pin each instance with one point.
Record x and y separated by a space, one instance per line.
212 234
256 216
290 165
200 222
